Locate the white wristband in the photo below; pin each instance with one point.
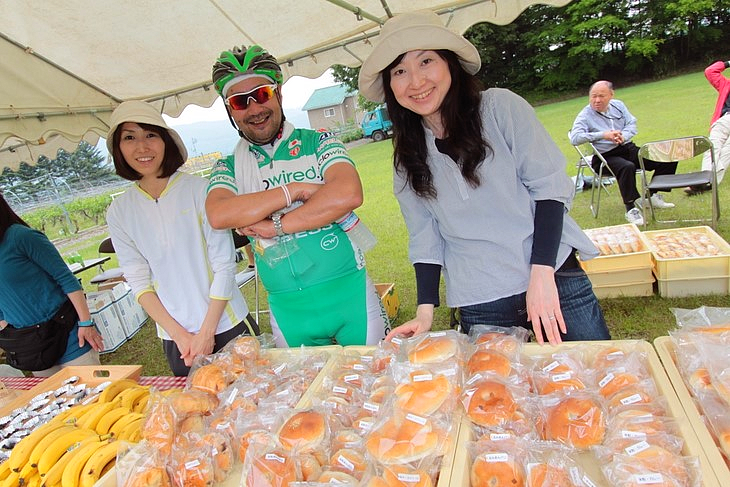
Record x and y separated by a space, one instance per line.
286 195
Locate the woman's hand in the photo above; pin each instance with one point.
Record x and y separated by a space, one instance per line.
201 344
543 305
184 341
420 324
90 335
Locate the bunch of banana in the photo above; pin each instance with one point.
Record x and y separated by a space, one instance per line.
44 456
86 467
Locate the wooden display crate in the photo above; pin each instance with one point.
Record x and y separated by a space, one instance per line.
619 262
689 267
627 289
91 375
666 351
692 447
277 354
679 288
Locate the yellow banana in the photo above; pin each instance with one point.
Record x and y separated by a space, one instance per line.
90 419
141 404
72 472
117 427
43 443
106 421
58 447
32 481
53 476
130 395
96 463
27 472
20 454
75 413
113 389
4 470
12 480
133 427
136 436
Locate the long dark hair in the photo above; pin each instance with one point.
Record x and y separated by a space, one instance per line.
460 112
8 217
172 161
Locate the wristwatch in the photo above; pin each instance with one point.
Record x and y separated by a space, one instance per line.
276 218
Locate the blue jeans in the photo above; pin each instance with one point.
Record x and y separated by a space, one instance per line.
582 313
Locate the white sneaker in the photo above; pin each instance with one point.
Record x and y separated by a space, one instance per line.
657 201
634 216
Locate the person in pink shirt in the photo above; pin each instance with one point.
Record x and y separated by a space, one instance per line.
719 125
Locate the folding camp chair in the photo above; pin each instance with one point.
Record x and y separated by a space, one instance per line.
587 152
679 150
246 276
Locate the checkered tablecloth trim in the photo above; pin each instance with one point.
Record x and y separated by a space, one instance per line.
159 382
21 383
163 382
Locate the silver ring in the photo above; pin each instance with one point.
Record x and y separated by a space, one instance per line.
551 317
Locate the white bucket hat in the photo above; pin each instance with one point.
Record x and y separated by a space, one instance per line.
419 30
141 112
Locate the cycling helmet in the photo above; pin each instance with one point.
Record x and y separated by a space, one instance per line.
241 60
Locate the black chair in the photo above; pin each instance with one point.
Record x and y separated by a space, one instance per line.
106 247
679 150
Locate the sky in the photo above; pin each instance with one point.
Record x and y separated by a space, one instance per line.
296 92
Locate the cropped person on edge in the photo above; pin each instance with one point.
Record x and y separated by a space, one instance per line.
38 288
482 188
719 125
285 188
181 270
608 124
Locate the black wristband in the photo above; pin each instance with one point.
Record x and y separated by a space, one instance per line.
547 233
427 283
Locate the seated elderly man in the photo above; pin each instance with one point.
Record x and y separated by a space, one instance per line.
608 124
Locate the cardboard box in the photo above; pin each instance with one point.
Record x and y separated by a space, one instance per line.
689 267
131 314
107 321
462 462
91 375
666 351
389 297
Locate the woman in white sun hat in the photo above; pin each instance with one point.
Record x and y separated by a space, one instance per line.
181 270
482 188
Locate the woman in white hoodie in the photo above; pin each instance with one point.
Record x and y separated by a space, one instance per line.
181 270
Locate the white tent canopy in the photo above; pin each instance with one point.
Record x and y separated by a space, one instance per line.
66 64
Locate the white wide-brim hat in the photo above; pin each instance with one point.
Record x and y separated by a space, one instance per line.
419 30
141 112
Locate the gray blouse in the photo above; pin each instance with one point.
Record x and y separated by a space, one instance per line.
482 237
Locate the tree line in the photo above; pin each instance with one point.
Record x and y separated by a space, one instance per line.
69 172
549 52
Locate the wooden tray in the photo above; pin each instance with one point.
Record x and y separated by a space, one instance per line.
234 476
91 375
667 353
692 447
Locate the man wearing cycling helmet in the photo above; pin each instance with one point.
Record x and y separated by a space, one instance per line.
285 188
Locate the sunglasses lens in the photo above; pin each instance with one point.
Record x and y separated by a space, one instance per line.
240 101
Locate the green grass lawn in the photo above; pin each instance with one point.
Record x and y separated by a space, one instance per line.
674 107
